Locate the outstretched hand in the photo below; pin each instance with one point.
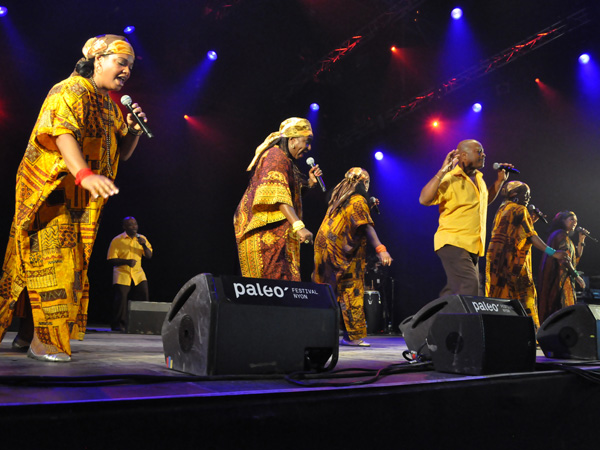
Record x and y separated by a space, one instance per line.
99 185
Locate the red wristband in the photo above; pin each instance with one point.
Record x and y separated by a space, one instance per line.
380 248
83 173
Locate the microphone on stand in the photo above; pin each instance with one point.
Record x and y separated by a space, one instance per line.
586 232
311 162
505 167
539 213
373 201
127 102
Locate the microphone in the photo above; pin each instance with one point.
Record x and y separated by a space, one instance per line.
505 168
536 210
311 162
586 232
374 206
126 101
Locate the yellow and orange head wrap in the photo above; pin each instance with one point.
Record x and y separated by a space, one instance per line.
356 174
107 44
346 188
292 127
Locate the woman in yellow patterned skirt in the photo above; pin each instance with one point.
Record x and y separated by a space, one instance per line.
508 272
268 220
63 181
341 248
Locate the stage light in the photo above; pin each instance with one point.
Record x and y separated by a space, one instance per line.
186 117
537 80
456 13
378 156
314 107
212 55
476 107
435 124
3 11
584 58
128 30
394 49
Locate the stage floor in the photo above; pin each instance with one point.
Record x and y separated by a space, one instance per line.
117 379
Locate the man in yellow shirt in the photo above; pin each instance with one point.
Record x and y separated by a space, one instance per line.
125 254
459 190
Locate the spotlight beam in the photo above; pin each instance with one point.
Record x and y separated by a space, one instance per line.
500 59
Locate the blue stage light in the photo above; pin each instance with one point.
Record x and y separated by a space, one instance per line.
584 58
456 13
128 30
476 107
3 11
378 156
212 55
314 107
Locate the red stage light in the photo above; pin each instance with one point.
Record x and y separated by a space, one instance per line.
394 49
186 117
435 124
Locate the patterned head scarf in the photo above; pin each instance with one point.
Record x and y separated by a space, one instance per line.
292 127
346 187
107 44
513 188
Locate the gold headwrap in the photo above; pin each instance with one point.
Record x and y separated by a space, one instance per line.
346 188
292 127
107 44
512 186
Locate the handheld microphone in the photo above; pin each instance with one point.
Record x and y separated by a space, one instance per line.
504 167
537 211
374 206
586 232
127 102
311 162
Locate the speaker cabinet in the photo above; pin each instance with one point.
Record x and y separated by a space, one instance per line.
415 329
374 312
146 317
572 333
235 325
479 344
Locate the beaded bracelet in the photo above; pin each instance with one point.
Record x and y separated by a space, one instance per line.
297 226
82 174
380 248
549 251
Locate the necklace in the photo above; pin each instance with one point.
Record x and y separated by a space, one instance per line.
105 125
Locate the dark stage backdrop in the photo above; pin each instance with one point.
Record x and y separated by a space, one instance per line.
183 186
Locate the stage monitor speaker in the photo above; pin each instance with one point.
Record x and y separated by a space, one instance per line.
572 333
416 328
234 325
480 344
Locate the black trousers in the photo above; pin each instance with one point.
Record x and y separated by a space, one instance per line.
462 271
119 311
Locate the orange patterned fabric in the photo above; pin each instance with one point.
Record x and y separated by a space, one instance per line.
340 260
267 247
508 272
55 221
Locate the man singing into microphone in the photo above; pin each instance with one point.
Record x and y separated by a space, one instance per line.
125 254
459 190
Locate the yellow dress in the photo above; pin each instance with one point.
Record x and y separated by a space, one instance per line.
56 222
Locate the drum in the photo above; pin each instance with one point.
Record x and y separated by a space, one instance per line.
374 312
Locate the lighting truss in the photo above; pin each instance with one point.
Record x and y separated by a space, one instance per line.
396 11
471 74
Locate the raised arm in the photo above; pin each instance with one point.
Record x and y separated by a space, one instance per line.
430 189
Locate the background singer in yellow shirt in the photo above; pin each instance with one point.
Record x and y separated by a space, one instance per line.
125 254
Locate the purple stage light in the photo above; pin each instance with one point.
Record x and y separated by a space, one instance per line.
128 30
212 55
378 156
3 11
456 13
584 58
314 107
476 107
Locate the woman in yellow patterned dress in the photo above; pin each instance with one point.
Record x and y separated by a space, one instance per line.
63 181
268 220
508 272
341 248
